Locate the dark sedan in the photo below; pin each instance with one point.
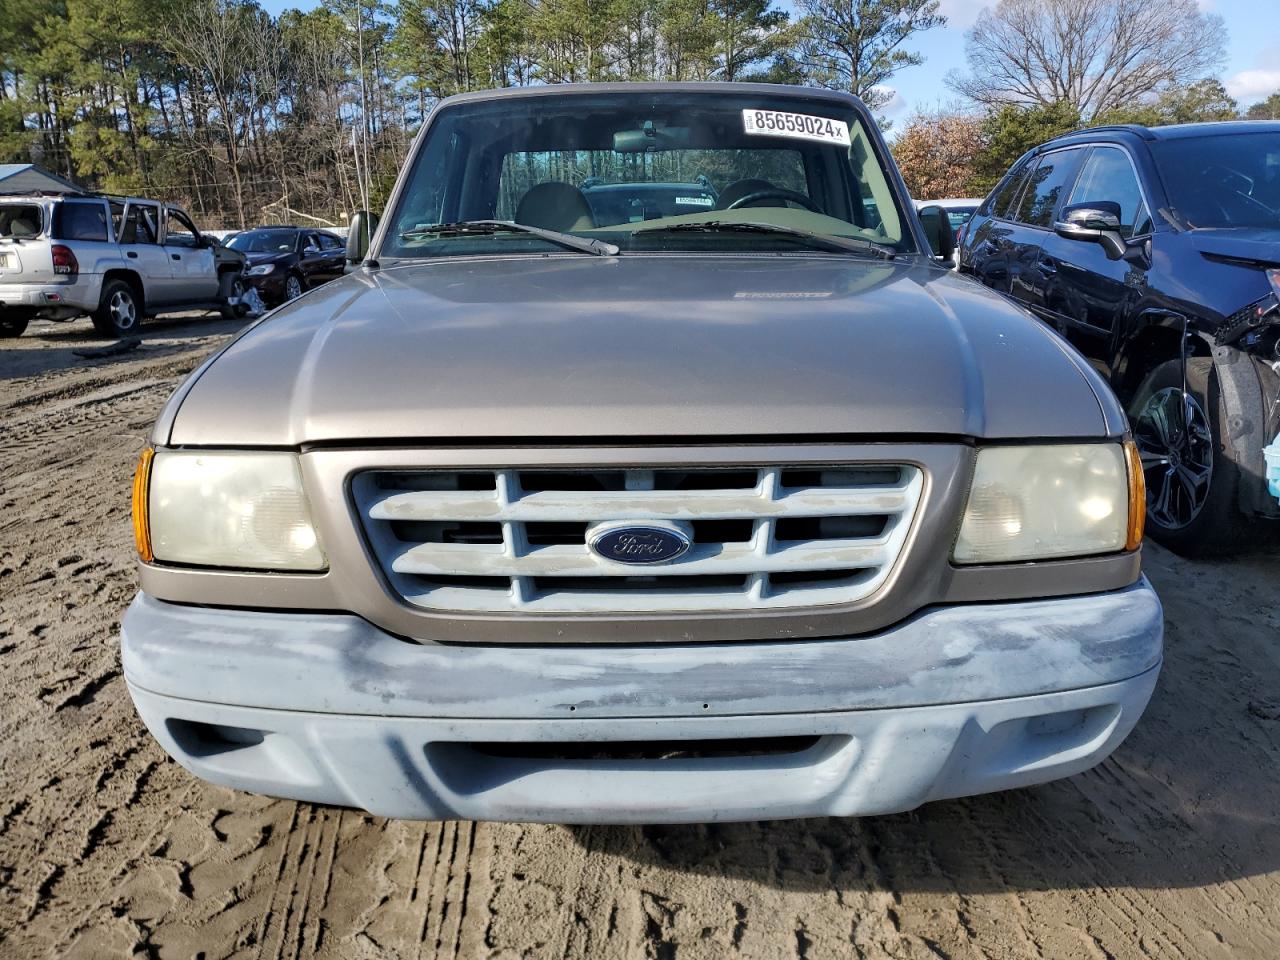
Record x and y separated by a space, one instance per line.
282 262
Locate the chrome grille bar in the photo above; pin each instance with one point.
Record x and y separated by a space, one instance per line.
515 540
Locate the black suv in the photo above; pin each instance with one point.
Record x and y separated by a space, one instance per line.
282 262
1156 252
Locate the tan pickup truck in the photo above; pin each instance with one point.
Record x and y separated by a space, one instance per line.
749 510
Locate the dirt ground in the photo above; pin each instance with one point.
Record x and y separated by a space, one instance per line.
1170 849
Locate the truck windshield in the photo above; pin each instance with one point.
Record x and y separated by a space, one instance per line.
1223 181
620 167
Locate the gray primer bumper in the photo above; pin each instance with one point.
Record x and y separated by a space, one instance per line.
957 700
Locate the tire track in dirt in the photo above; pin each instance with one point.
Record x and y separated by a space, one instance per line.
107 848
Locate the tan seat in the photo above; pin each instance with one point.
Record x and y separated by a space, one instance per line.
555 206
744 188
23 228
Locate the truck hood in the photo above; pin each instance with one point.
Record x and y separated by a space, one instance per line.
654 347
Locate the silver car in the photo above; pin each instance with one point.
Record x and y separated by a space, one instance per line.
113 258
752 511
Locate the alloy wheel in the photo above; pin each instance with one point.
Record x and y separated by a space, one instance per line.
292 288
124 312
1176 444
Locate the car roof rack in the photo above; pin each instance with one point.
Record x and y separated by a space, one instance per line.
1135 128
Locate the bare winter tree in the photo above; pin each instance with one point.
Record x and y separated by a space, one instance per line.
209 40
1096 55
856 45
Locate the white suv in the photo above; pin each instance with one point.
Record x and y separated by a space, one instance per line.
115 259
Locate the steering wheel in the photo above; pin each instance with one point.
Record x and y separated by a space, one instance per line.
775 193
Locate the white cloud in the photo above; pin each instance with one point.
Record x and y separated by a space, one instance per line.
895 105
1249 86
961 14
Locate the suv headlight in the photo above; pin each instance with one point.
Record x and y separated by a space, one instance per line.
224 509
261 270
1060 500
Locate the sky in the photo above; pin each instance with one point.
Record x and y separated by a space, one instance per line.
1251 73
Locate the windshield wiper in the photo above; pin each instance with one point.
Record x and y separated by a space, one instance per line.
482 228
849 244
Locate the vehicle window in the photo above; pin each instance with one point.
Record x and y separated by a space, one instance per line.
308 240
140 224
1044 188
79 220
180 232
632 202
624 189
330 242
264 241
1222 181
20 220
1001 203
959 216
1107 176
624 167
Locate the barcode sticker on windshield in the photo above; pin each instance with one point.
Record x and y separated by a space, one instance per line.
801 126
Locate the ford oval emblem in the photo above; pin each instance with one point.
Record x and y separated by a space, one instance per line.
640 544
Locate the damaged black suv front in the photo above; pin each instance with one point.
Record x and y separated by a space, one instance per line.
1156 251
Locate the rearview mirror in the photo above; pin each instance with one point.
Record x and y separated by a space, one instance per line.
650 137
937 229
1096 222
363 225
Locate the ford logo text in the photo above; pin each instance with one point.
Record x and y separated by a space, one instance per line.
640 544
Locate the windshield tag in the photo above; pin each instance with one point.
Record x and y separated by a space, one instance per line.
798 126
695 202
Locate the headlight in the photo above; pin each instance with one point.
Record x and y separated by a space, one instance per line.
220 509
261 270
1064 500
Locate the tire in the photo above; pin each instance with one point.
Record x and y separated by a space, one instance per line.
1193 485
293 287
11 327
238 311
119 311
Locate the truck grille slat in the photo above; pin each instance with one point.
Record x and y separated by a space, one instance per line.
637 505
516 541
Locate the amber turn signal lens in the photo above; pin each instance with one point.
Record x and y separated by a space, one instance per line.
141 492
1137 496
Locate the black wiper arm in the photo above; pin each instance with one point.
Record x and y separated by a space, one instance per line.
849 244
482 228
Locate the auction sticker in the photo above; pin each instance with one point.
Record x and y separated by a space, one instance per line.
800 126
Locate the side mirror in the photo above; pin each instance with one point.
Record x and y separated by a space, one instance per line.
363 224
937 228
1097 222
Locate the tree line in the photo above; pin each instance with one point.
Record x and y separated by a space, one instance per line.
1040 68
251 118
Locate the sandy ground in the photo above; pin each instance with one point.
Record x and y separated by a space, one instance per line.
1169 849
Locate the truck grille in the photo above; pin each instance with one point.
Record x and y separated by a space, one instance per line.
484 541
